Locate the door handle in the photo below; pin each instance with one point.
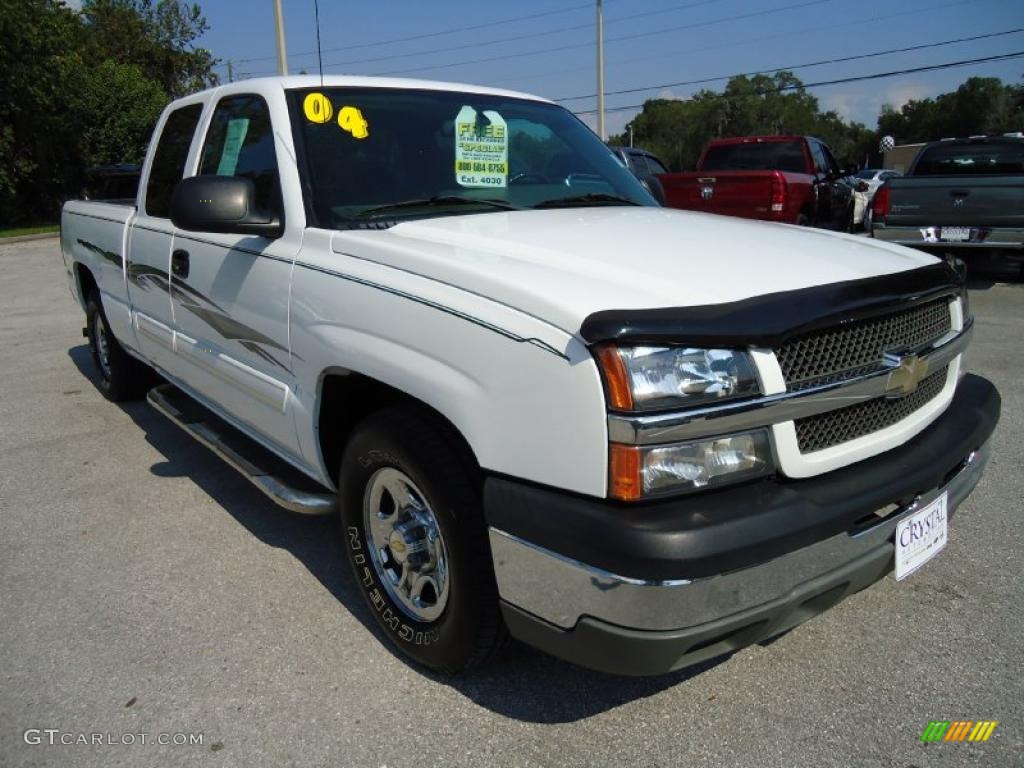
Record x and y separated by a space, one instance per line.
179 263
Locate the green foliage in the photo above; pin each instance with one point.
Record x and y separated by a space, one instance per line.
678 130
85 88
981 105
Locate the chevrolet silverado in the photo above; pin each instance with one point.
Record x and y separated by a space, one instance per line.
541 405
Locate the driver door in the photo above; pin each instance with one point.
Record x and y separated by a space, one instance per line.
230 292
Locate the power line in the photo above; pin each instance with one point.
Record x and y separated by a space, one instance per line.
439 33
529 36
823 62
749 40
842 80
634 36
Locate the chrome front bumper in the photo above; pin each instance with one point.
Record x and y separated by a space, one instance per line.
562 591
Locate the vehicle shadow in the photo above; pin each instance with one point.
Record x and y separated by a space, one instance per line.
524 684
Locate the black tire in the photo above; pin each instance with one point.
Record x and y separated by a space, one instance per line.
802 220
469 629
851 227
121 376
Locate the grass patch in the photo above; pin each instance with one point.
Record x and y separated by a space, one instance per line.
17 231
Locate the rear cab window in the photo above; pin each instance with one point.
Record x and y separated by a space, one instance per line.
759 156
974 159
169 159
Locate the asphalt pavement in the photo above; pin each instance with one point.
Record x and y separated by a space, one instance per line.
147 589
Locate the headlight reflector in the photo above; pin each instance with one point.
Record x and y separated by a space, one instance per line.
644 471
645 378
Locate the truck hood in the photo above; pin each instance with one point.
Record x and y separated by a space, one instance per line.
562 265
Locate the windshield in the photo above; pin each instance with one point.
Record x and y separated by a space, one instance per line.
762 156
376 154
972 159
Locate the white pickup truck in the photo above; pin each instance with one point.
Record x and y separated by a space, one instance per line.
541 405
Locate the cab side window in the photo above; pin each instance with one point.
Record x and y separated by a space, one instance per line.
240 142
655 166
820 163
169 159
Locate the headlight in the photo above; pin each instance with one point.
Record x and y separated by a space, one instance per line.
644 471
649 378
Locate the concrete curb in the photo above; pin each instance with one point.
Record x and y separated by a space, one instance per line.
27 238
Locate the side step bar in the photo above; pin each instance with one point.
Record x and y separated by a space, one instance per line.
282 485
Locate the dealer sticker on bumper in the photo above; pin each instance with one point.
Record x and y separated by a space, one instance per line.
921 537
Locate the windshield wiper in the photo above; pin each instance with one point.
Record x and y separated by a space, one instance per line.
587 199
439 201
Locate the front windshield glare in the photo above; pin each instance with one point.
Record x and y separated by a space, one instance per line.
392 154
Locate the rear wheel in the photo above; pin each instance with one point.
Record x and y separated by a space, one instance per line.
802 220
121 376
416 540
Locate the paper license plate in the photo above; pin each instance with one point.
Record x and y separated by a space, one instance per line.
921 537
955 234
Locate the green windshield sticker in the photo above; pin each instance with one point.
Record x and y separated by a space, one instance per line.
233 140
481 149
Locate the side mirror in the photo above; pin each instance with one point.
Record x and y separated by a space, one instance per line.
862 186
221 204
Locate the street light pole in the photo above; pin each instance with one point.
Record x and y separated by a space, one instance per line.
600 70
282 54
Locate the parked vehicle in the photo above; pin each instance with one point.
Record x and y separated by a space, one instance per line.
645 166
541 405
867 182
963 196
793 179
116 183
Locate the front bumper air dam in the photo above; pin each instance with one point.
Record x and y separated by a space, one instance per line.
646 589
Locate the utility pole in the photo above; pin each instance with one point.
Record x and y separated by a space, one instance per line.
600 70
282 54
231 72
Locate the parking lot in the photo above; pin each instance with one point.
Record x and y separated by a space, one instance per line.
146 588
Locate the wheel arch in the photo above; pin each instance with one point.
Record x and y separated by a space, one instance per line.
85 282
335 423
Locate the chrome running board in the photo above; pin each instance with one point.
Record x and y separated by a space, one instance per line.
281 485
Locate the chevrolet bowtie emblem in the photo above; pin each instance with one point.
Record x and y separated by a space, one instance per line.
908 371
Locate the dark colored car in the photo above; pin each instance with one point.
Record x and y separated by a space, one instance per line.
646 167
113 183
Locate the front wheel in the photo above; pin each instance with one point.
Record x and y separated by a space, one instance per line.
416 540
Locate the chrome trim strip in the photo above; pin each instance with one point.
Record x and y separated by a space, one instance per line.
739 416
293 499
562 590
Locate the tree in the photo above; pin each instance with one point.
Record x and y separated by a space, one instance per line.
981 105
156 38
678 130
83 88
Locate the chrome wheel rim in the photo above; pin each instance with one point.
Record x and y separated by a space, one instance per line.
99 334
405 544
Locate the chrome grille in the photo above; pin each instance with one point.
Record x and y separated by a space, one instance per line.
843 352
815 433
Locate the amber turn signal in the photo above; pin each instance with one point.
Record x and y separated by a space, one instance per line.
624 480
616 380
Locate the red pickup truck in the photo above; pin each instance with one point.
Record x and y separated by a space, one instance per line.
794 179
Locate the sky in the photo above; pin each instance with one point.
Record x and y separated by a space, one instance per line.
648 44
